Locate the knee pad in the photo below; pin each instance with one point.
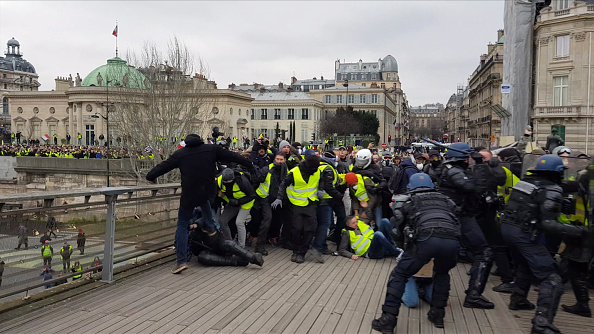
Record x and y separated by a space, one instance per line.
487 254
555 280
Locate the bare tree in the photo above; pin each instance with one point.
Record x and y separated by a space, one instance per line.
167 98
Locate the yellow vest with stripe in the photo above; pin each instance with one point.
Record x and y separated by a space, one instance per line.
580 213
510 181
301 192
264 188
79 268
360 243
323 166
47 251
360 191
237 193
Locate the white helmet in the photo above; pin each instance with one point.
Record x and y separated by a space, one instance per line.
363 158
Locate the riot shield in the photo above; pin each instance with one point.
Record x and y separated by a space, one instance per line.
573 165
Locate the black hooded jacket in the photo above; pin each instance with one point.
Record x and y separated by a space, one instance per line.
197 164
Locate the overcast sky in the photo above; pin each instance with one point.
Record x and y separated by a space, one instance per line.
437 44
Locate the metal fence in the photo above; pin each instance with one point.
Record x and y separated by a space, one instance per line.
119 224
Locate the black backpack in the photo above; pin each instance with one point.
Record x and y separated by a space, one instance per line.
396 180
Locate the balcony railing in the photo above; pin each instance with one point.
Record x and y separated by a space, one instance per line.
562 12
591 8
558 111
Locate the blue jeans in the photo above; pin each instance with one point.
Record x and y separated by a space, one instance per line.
410 298
208 222
385 226
380 247
324 215
181 234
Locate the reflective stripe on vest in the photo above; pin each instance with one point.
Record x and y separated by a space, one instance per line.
360 243
580 213
510 182
47 251
360 191
323 166
237 193
301 192
264 187
77 276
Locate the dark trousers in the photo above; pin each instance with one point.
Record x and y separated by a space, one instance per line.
443 251
265 212
487 221
474 239
287 227
305 224
47 261
65 264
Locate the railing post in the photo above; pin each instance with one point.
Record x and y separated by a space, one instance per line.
107 273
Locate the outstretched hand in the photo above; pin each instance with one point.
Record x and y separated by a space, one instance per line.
277 203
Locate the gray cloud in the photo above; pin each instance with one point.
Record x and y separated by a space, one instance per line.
437 43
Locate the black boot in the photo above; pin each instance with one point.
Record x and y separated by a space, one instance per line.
541 325
518 302
475 300
210 259
235 249
435 315
260 249
385 324
581 309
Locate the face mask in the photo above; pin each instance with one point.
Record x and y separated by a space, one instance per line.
419 166
435 163
299 150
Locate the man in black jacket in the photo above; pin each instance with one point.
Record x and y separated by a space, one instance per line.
197 164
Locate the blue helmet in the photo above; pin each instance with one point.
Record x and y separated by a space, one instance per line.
419 180
460 147
550 163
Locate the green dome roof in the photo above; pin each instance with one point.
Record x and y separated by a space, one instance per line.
118 73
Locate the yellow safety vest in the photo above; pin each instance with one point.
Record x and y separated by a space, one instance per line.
510 181
360 243
264 187
47 251
580 213
359 188
302 192
62 251
79 268
237 193
323 166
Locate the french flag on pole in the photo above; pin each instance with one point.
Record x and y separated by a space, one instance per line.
115 31
45 137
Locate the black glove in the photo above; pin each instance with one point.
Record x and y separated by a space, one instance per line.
477 157
234 202
494 162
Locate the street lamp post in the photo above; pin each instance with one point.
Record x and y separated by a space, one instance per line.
106 118
346 100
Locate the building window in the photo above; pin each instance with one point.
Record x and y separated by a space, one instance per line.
364 84
5 87
374 77
362 98
35 110
562 46
327 99
388 76
563 4
374 112
291 114
339 99
374 98
363 76
304 113
560 130
560 90
351 99
52 110
383 85
252 114
264 114
20 110
230 111
5 105
239 112
277 114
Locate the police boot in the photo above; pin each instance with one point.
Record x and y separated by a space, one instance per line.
435 315
261 249
518 302
580 289
385 324
235 249
211 259
541 325
475 300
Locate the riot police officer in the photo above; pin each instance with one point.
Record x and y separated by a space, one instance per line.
457 182
432 232
534 207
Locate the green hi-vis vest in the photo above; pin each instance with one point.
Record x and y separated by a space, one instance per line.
323 166
264 187
46 251
79 268
237 193
510 181
360 243
301 192
580 213
359 188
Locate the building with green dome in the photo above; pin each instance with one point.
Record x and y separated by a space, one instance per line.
116 73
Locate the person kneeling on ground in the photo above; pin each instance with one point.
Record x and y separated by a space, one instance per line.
358 239
213 250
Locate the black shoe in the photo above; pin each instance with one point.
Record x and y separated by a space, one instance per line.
477 301
435 315
294 257
385 324
540 325
581 309
300 258
504 288
258 259
520 303
260 249
317 255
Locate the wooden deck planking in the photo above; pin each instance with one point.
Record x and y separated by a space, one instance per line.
281 297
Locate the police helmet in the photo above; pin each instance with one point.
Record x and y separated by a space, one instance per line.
363 158
453 154
560 150
549 163
420 180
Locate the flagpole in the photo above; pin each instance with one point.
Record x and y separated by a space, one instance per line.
116 38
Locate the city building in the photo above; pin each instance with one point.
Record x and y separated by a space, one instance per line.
456 116
427 121
310 84
484 126
563 91
16 74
